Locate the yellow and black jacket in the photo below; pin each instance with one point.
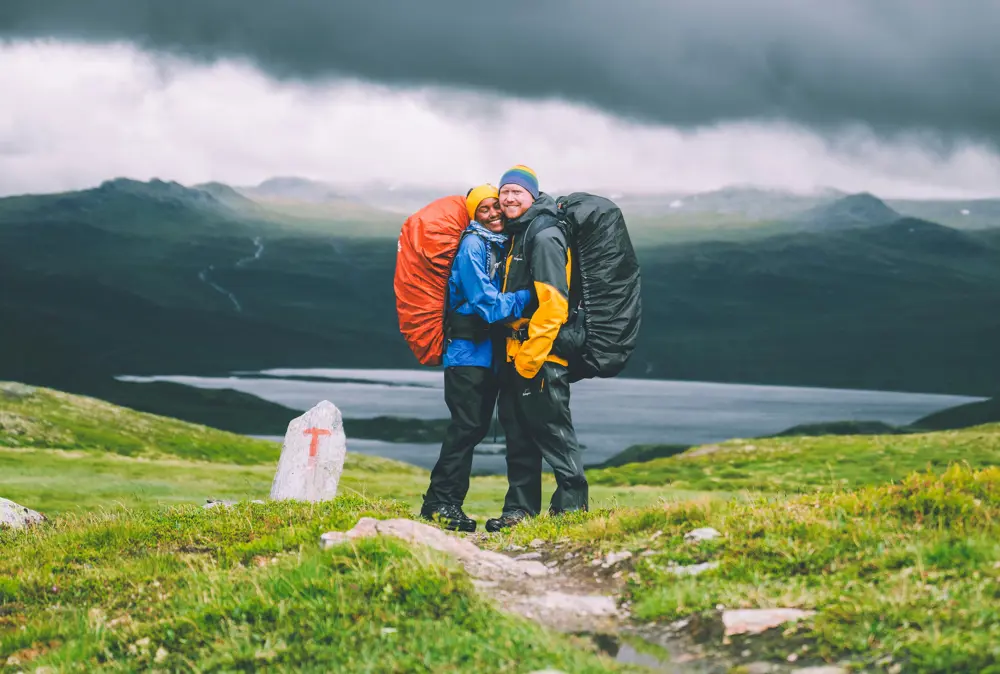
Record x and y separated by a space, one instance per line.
540 261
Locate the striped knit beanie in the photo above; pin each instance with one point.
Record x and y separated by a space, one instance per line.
523 176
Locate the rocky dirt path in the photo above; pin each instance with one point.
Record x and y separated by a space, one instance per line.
577 594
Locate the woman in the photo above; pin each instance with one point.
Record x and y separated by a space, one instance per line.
474 303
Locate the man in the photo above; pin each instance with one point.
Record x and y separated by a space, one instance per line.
534 389
470 377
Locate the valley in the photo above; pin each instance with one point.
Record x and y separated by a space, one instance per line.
109 281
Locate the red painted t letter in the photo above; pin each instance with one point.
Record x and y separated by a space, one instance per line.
316 434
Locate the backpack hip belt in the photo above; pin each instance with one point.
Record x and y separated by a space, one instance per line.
469 327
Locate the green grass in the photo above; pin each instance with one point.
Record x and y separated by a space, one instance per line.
640 454
132 575
60 481
801 464
49 419
243 589
112 455
907 571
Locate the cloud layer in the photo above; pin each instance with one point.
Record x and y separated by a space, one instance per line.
74 115
892 65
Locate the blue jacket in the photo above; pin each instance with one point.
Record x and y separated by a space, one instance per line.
472 288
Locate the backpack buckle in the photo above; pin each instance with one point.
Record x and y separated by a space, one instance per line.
519 334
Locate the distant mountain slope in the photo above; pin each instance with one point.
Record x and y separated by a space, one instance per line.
137 278
962 213
855 210
397 199
293 189
753 203
905 306
963 416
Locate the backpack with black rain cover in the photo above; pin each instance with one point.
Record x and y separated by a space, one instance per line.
605 304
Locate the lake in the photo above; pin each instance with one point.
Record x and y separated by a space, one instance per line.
609 414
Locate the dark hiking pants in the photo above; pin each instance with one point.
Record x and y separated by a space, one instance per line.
536 420
471 394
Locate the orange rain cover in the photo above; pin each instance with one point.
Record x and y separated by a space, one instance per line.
426 248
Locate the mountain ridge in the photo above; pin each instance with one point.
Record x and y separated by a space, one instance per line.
882 307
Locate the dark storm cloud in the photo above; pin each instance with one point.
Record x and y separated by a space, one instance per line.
896 65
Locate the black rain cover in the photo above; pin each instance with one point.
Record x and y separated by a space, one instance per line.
609 284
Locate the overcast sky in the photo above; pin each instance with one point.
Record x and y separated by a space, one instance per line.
899 97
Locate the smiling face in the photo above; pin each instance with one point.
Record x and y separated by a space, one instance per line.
488 215
514 200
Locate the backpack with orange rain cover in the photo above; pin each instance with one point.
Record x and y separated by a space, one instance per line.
427 246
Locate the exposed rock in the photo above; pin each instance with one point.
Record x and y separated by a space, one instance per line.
12 389
312 456
536 543
560 610
703 534
615 558
14 516
223 503
693 569
528 556
213 503
704 450
479 563
522 586
755 621
823 669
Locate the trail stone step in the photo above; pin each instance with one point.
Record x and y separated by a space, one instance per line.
523 586
479 563
755 621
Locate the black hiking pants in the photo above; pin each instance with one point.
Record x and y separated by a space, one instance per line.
536 419
471 394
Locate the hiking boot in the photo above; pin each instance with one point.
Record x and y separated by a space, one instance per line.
505 521
449 517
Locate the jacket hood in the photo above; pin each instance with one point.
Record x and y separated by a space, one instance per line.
544 205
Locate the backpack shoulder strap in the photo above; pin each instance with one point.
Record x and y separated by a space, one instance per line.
537 226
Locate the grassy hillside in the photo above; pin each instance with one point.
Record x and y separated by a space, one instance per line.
984 412
899 562
62 452
245 589
46 419
806 464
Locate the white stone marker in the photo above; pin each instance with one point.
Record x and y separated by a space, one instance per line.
312 456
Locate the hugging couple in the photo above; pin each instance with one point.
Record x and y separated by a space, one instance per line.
507 300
